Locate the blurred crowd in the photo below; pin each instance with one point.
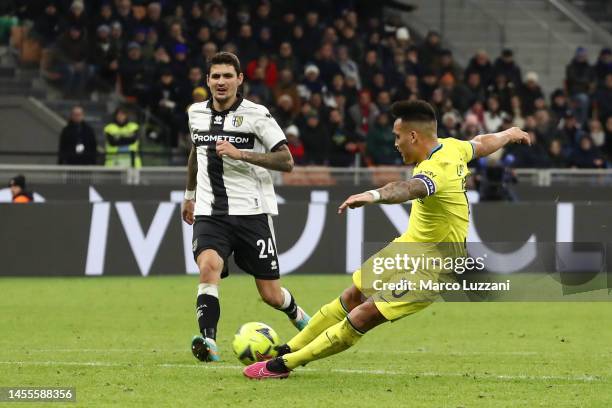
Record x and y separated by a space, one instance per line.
328 71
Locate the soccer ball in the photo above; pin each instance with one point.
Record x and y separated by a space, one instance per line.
254 342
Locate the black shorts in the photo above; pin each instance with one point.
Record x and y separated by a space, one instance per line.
249 237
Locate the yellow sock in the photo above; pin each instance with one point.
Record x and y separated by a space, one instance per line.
327 316
337 338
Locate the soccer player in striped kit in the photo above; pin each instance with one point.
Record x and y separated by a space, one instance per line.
230 198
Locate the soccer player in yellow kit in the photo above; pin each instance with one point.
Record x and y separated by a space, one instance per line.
440 214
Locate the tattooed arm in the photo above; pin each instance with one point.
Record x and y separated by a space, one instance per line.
393 193
279 159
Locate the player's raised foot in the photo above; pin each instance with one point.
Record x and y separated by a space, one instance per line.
301 320
204 349
264 370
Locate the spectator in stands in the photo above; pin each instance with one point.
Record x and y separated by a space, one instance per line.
602 100
586 156
348 66
409 88
428 83
363 114
122 141
154 19
503 90
597 133
194 80
450 126
558 105
311 83
295 144
326 62
105 59
505 64
370 66
603 66
287 86
383 101
287 60
117 37
247 44
570 132
316 140
47 28
20 195
77 144
530 92
269 68
380 142
76 16
166 103
258 88
493 115
123 14
545 127
580 79
284 112
557 159
447 65
471 127
480 63
103 17
135 77
431 50
73 53
344 144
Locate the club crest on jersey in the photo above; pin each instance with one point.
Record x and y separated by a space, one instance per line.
218 120
237 121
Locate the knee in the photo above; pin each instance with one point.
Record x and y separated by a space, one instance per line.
210 268
365 317
351 298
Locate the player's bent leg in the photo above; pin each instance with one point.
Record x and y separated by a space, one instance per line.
280 298
204 347
326 317
335 339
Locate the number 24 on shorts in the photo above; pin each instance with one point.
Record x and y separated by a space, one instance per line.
261 243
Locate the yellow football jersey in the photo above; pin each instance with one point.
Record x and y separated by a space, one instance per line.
443 215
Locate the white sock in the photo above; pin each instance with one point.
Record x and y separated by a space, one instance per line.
286 299
208 289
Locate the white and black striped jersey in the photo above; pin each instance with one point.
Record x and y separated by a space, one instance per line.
226 186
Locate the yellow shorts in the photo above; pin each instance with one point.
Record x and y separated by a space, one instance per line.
395 304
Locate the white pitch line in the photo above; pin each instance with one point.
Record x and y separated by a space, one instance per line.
581 378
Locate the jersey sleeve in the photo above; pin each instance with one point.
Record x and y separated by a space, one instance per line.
431 175
467 150
268 131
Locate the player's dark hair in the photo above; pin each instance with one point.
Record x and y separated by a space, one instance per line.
225 58
415 111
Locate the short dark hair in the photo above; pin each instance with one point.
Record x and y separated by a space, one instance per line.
225 58
417 111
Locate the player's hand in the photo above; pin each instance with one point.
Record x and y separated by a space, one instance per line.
517 135
225 148
187 209
355 201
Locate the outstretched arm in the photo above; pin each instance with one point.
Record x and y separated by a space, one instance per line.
393 193
484 145
279 159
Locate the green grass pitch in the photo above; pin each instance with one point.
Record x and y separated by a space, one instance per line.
125 342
